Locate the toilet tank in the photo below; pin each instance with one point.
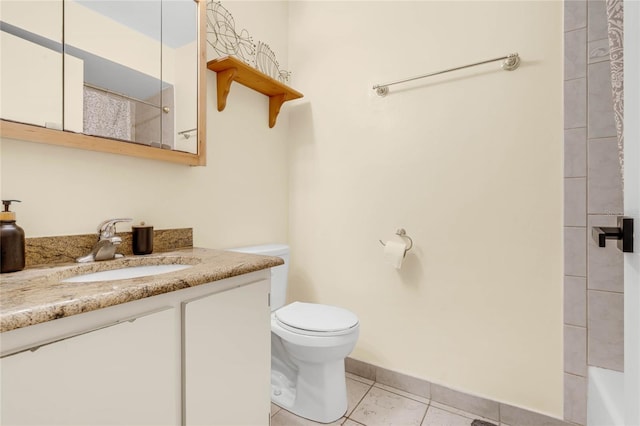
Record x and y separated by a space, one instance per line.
279 274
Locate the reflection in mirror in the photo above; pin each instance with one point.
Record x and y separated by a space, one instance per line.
133 55
180 73
117 85
31 62
129 71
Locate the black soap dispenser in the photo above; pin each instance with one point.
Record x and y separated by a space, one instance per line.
11 241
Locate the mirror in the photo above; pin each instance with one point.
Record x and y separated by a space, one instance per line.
133 79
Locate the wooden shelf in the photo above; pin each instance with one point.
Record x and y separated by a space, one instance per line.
230 69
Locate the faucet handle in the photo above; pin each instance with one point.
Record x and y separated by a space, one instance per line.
107 229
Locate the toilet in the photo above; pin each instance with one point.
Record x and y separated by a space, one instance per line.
309 343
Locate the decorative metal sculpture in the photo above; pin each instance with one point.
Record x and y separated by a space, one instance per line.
223 37
267 63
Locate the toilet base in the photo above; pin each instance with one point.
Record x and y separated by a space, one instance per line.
319 394
283 391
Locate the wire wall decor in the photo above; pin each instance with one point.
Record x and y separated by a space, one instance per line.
267 63
223 37
225 40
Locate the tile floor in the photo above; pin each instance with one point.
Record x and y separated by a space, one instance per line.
374 404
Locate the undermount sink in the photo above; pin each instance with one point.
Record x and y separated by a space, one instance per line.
125 273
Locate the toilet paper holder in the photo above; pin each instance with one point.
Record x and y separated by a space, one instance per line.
402 233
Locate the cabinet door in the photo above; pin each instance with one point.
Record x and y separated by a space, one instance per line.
228 357
31 62
125 374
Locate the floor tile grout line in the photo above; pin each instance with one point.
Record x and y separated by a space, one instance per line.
358 403
403 394
444 407
424 416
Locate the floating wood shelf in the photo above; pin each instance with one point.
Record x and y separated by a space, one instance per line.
230 69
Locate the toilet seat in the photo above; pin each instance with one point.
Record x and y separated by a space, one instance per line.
315 319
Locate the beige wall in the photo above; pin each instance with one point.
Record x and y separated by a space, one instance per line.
239 198
470 163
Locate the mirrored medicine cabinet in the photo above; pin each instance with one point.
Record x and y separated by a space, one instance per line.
125 77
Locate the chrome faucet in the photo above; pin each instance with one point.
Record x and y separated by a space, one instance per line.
108 242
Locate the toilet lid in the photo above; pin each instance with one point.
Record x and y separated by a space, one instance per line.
316 317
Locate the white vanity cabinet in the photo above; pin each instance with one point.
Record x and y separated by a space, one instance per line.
197 356
227 352
122 374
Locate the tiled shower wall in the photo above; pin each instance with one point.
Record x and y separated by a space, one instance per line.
593 282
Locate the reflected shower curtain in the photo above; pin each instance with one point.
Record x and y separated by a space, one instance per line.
107 114
615 32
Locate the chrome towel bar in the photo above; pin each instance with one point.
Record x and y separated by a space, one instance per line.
186 134
511 62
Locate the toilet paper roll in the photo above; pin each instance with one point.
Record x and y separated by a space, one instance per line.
394 253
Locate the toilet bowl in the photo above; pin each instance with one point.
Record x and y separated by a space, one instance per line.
315 358
309 342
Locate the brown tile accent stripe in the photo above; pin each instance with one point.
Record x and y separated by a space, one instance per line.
483 407
403 382
64 249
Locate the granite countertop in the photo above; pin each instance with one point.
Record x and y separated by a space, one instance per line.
37 295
